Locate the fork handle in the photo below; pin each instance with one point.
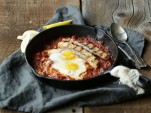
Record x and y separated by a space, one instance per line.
138 60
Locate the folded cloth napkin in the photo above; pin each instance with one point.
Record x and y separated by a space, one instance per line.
19 90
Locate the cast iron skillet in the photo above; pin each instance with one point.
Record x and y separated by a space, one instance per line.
52 34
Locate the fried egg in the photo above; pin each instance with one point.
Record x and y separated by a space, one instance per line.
67 62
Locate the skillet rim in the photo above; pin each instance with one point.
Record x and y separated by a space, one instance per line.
58 80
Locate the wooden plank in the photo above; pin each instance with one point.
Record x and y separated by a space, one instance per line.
98 12
142 105
133 14
68 109
17 16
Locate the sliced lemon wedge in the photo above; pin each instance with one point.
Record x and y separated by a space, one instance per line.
26 37
57 24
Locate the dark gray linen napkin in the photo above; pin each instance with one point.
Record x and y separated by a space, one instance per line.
19 90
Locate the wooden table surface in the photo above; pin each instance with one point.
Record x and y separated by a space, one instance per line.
17 16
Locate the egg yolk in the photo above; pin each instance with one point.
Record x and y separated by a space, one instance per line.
68 55
72 66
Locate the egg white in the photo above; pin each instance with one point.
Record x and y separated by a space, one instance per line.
60 63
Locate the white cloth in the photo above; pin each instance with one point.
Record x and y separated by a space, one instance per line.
127 77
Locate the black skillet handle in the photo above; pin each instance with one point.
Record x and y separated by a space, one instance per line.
143 82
